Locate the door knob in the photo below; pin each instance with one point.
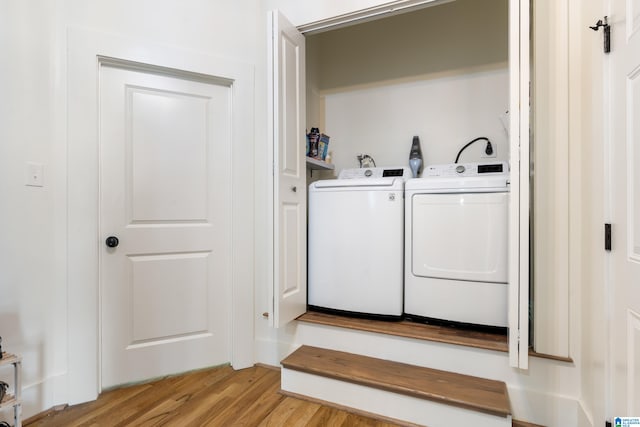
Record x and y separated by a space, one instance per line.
112 241
294 189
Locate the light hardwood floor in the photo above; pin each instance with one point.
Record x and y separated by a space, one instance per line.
212 397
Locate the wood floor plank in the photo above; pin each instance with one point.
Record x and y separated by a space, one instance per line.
213 397
181 387
465 391
83 414
174 397
353 420
291 412
261 408
381 421
164 411
328 417
245 402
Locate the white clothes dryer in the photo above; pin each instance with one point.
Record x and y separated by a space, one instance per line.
356 242
456 239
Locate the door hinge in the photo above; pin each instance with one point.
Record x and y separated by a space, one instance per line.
607 237
607 32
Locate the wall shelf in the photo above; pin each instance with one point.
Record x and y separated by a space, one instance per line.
315 164
13 400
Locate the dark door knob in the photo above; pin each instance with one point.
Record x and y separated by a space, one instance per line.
112 241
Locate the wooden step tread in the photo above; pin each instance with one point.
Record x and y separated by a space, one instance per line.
407 329
464 391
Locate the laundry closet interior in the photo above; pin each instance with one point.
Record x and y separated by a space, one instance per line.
439 73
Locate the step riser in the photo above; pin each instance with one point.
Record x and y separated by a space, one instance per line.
486 363
385 403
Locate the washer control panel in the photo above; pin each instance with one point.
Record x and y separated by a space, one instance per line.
466 169
399 172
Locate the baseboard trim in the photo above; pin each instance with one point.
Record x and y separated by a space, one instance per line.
267 366
517 423
45 414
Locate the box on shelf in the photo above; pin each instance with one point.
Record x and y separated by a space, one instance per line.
323 146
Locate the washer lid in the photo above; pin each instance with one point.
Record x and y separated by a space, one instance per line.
361 183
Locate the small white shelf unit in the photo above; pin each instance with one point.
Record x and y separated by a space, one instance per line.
14 400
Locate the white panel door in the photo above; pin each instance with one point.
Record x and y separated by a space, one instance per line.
624 87
164 193
287 121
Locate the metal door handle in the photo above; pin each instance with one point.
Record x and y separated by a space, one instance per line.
294 189
112 241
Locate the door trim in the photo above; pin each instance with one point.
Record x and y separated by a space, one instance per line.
371 13
519 221
85 48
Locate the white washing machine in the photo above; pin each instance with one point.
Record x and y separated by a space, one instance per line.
356 242
456 239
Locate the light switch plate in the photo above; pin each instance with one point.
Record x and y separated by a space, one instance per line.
35 174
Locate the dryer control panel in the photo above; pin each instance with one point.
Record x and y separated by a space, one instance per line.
466 169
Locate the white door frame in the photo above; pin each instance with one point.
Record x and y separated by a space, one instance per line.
621 76
519 219
83 240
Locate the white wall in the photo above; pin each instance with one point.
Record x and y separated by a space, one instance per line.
32 247
225 28
439 73
446 113
33 265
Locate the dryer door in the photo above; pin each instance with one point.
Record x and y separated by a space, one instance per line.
460 236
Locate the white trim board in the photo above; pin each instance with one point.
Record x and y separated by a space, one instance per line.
369 14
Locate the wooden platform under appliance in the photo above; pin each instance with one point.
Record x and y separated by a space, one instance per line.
408 329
